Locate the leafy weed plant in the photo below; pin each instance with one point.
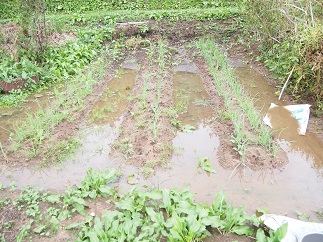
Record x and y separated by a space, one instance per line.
140 214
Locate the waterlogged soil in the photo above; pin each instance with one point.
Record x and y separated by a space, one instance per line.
10 118
158 143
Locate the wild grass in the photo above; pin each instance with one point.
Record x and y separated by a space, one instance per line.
227 85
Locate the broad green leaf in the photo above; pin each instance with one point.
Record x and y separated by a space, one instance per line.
281 231
63 215
98 226
167 202
79 208
175 235
260 236
24 75
128 229
93 237
106 191
127 204
213 221
110 176
185 207
24 232
155 217
54 198
195 226
202 211
79 201
73 226
54 224
242 230
92 194
154 194
219 202
147 230
205 164
39 229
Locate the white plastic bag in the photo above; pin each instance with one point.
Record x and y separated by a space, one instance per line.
301 112
296 229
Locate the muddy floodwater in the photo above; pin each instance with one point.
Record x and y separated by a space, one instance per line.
285 127
190 98
297 186
114 99
9 118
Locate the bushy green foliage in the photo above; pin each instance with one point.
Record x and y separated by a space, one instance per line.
291 41
63 62
90 5
10 69
8 9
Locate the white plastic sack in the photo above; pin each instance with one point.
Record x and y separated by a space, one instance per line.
300 112
296 229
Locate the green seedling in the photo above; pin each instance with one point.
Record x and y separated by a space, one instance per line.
132 179
205 164
13 186
274 236
25 230
224 79
303 216
2 187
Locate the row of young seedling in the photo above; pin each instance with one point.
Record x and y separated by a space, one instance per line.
30 134
240 106
158 57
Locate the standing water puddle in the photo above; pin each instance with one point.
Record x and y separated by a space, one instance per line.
294 188
301 181
278 191
113 101
95 145
191 99
285 127
11 117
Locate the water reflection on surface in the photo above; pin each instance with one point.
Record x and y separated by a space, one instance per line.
285 127
299 186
